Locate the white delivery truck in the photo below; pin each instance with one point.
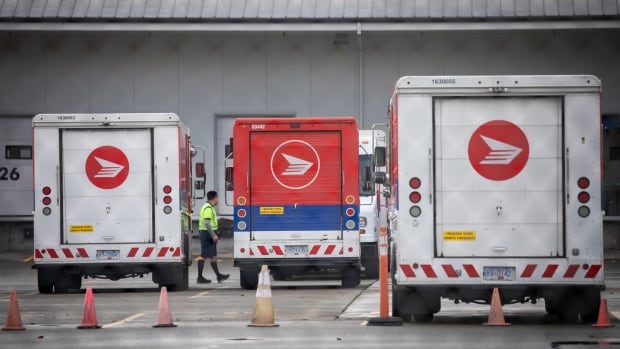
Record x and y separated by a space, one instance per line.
113 198
372 214
496 183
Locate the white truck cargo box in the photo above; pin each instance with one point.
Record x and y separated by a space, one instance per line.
496 183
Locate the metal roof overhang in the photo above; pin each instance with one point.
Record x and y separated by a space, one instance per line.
353 27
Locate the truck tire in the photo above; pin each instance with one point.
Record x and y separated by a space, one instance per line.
44 280
371 268
423 317
248 278
66 282
580 303
173 277
350 277
370 261
183 285
396 311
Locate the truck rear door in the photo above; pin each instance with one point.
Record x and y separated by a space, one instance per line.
107 186
296 185
499 177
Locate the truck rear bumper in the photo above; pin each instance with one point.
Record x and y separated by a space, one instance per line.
299 262
108 270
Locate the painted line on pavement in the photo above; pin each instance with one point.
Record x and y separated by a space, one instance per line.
200 294
127 319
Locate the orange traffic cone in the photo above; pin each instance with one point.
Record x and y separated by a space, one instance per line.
89 317
263 315
13 319
496 315
603 315
164 316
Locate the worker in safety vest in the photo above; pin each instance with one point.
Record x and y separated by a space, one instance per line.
209 235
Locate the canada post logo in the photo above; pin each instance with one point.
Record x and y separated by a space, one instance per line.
107 167
295 164
498 150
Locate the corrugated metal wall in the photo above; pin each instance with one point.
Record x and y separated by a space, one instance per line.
302 9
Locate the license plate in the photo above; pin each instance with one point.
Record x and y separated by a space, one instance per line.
296 250
108 255
499 273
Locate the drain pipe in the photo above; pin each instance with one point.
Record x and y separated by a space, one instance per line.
360 73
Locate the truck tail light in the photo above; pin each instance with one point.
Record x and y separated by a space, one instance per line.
352 221
415 196
241 214
583 197
583 183
167 189
46 200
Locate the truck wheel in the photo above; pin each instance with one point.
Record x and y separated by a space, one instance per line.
173 277
350 278
372 269
423 317
580 303
396 311
46 285
248 278
568 316
591 301
184 283
66 282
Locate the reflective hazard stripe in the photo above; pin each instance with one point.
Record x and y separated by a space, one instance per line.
148 251
530 271
81 252
278 250
550 270
132 252
330 249
471 271
593 270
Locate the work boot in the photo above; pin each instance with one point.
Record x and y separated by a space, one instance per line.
202 280
220 277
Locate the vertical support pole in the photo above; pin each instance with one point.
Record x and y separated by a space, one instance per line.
384 302
383 271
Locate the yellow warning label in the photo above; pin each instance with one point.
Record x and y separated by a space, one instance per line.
459 235
81 228
272 210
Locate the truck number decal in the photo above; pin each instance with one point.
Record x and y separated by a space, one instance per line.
9 175
444 81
